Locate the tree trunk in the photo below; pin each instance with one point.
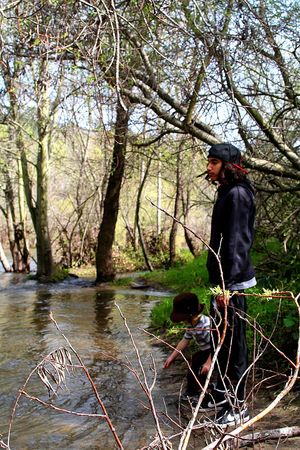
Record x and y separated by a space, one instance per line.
191 244
20 231
43 243
137 216
16 221
18 249
277 434
104 264
174 227
18 239
10 221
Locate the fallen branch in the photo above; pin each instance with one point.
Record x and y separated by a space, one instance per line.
262 436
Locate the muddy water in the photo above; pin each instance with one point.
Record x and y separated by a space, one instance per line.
89 318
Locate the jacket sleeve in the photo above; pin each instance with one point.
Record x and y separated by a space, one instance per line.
237 235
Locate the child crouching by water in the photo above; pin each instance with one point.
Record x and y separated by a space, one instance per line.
186 308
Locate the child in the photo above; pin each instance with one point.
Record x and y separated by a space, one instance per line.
186 308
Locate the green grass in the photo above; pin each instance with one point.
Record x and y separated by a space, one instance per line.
187 277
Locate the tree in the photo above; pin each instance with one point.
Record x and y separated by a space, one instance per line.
104 263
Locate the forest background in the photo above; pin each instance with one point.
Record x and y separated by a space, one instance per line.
107 112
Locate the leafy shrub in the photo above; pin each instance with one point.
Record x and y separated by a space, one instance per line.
277 320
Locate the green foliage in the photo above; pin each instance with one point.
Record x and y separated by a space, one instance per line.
277 319
128 260
275 268
291 326
219 291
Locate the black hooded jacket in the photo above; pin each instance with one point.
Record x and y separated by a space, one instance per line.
232 233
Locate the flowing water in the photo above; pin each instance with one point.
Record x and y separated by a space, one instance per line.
87 315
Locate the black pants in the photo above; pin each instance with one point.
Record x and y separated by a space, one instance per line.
232 359
198 359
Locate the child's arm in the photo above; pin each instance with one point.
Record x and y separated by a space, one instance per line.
206 366
179 348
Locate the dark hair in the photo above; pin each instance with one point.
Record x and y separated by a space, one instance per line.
185 306
230 174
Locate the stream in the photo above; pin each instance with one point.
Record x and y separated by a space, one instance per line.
87 315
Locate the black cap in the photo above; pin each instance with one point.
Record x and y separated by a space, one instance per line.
185 306
225 152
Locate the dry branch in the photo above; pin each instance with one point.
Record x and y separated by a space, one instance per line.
262 436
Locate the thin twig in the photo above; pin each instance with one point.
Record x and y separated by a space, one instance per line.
62 410
145 385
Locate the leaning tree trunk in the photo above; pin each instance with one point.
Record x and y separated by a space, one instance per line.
104 264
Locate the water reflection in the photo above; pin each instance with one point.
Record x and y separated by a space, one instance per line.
92 323
41 311
103 306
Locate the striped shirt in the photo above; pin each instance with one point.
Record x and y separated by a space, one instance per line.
200 332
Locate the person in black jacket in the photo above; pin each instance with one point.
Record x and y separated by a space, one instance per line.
232 232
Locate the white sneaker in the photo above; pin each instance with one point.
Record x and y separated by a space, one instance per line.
232 416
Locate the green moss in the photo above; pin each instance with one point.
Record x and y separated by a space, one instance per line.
59 274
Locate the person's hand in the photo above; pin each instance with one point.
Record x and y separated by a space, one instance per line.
205 368
168 362
222 300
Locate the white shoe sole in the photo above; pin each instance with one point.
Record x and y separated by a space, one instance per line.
213 406
234 422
